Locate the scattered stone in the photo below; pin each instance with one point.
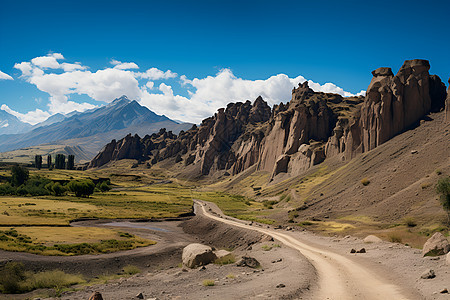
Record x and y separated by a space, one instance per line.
363 250
202 268
414 151
444 291
280 286
436 245
428 274
277 260
96 296
372 239
353 251
140 296
195 255
247 261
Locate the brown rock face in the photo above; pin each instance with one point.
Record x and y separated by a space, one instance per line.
293 137
392 105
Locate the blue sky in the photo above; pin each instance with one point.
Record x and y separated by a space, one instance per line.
220 51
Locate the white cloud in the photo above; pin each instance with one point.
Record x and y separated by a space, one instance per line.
124 66
156 74
204 95
4 76
31 117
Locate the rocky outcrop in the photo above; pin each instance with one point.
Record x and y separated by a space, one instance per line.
195 255
293 137
436 245
392 105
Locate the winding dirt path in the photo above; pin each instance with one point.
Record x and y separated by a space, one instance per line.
339 277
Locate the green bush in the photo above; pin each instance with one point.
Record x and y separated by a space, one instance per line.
19 175
82 188
11 275
443 189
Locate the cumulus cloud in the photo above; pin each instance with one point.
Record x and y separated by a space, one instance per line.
205 95
156 74
124 66
31 117
4 76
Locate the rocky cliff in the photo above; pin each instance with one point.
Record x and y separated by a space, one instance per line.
292 137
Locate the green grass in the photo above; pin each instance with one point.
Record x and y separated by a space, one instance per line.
225 260
131 270
208 282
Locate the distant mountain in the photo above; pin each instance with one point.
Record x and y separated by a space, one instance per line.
51 120
114 120
10 124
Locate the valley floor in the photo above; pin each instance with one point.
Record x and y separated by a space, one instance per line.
394 268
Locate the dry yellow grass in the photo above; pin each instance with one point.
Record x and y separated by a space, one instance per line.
30 211
68 235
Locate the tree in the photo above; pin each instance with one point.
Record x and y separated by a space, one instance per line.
70 162
443 189
82 188
38 161
60 161
19 175
56 188
49 162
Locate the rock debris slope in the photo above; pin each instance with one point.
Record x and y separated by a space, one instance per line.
290 138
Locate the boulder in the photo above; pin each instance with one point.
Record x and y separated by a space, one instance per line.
436 245
372 239
247 261
428 274
195 255
447 260
96 296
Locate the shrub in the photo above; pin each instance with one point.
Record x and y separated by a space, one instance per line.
208 282
443 189
10 277
103 187
395 238
82 188
131 270
55 279
365 181
410 222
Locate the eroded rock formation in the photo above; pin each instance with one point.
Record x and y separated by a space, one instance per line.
293 137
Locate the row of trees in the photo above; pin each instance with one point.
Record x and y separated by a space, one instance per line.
60 162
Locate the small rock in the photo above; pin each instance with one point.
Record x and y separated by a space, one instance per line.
140 296
353 251
447 260
277 260
428 274
414 151
372 239
202 268
280 286
96 296
363 250
247 261
444 291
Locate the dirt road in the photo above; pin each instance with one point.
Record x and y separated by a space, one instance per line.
339 276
